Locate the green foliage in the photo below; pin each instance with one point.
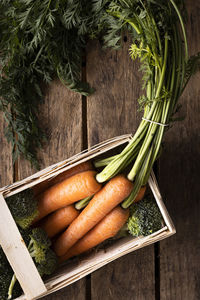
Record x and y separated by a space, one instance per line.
192 67
5 278
49 264
23 207
159 42
39 40
44 258
43 39
6 274
3 260
145 218
38 245
39 248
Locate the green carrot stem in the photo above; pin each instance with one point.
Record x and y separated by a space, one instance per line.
83 203
164 81
104 162
11 287
138 182
146 143
183 29
116 166
153 127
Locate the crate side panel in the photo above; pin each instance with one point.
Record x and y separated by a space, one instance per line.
56 169
18 255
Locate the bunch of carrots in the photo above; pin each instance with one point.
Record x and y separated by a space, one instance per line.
74 231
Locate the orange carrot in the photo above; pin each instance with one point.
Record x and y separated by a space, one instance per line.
67 192
59 220
115 191
106 228
140 194
41 187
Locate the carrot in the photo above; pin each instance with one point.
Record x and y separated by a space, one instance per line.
106 228
41 187
115 191
67 192
140 194
59 220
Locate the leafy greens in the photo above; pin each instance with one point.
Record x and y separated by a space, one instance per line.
43 39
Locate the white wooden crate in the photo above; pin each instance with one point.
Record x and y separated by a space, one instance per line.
18 255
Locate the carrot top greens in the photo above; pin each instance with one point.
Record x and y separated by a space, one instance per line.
43 39
160 43
39 40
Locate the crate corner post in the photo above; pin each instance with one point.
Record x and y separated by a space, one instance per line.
18 255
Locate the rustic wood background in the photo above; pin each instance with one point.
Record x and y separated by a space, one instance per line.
169 270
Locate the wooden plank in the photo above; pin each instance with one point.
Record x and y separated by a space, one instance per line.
6 177
179 181
33 281
18 254
112 110
61 115
6 168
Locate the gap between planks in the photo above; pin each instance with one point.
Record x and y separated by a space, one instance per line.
157 249
88 292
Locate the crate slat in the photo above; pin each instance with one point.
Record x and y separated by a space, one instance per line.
55 169
18 255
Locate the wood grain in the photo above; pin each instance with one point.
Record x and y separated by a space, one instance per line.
6 167
112 111
61 116
179 179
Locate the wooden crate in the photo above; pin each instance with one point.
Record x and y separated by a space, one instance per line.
18 255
